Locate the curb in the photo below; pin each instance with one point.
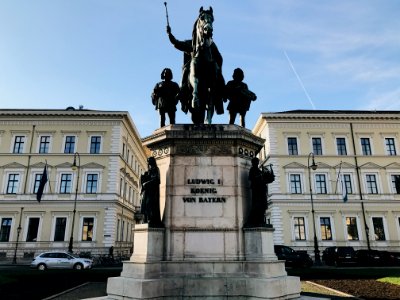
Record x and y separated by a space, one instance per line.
333 290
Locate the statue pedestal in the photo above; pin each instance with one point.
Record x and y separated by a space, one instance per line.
147 243
258 244
204 252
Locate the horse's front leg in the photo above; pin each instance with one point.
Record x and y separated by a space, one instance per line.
194 82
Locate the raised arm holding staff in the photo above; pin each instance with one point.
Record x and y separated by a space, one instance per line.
202 81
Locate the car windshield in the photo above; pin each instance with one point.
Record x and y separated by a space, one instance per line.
74 255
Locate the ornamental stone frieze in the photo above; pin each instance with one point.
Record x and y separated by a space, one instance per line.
214 140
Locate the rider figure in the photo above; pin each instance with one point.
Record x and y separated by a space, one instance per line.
164 97
187 95
240 97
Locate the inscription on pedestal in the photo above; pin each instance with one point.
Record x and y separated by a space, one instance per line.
203 191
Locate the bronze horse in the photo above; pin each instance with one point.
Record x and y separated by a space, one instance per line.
206 82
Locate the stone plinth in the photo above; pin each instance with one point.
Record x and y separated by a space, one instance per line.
147 243
204 280
204 252
258 245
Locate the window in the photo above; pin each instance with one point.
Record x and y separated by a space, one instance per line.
66 184
372 187
347 183
87 229
320 181
366 146
33 228
341 146
69 144
390 147
317 146
95 142
292 146
295 184
19 144
299 229
352 232
378 229
396 183
91 183
44 144
36 183
59 232
5 229
326 232
12 183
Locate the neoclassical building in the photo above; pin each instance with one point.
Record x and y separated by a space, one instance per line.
94 160
354 189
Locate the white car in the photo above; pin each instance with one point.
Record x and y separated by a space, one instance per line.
60 260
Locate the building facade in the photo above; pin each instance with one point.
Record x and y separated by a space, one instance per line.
354 190
103 187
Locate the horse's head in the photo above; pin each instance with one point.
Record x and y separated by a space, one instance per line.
205 23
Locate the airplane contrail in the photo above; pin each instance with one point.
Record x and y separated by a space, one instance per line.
299 79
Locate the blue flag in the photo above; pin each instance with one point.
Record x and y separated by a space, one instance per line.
43 181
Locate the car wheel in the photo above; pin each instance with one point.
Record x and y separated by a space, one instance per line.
78 267
41 267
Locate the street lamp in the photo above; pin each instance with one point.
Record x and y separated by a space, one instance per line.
74 167
314 167
19 228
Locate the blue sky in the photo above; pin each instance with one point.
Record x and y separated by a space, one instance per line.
108 54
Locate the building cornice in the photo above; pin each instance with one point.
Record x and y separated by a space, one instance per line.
61 112
333 115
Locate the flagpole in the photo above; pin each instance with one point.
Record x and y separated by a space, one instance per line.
337 178
29 159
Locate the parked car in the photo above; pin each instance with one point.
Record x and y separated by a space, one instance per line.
60 260
370 258
292 257
391 258
338 256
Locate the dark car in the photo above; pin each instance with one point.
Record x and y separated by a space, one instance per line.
370 258
393 258
292 257
339 256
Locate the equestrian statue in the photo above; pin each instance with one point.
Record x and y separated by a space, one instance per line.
202 85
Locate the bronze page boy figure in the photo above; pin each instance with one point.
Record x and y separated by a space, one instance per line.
164 97
239 97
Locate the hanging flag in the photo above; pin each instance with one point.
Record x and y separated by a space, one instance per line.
43 181
344 189
397 183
